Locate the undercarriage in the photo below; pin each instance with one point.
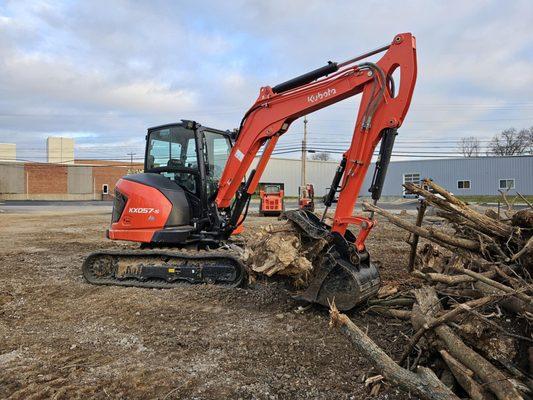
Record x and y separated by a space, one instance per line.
344 277
164 269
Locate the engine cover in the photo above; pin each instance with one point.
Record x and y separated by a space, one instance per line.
150 208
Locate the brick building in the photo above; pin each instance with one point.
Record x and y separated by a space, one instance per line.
83 180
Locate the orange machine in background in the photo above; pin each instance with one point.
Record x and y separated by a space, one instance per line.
271 198
306 197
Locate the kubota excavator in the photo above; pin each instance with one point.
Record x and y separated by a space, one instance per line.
193 193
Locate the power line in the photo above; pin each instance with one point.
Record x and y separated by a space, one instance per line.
285 142
375 154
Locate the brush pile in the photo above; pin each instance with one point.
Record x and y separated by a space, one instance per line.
472 314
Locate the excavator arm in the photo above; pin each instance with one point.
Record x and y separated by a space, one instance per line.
381 112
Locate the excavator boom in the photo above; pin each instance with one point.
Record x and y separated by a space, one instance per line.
381 113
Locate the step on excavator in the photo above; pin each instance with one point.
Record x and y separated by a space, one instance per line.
196 187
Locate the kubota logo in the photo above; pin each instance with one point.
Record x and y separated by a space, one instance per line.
321 95
141 210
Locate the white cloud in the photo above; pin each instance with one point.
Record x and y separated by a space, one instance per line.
114 69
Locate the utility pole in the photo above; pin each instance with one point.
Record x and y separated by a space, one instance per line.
131 158
304 153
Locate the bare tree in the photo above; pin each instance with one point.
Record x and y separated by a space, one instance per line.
529 134
469 146
511 142
321 156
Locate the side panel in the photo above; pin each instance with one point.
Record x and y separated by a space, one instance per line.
146 212
180 214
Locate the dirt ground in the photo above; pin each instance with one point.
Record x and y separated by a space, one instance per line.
62 338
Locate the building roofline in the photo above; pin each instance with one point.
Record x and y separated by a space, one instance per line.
417 160
466 158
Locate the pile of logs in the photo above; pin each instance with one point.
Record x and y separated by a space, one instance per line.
472 312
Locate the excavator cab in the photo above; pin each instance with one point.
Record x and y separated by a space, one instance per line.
175 151
171 202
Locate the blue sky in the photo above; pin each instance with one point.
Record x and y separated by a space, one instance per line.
104 71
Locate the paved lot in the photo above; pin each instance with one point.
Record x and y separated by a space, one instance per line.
38 206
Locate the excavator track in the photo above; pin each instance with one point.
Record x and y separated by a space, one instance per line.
163 269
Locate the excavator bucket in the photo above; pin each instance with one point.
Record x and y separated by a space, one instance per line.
340 273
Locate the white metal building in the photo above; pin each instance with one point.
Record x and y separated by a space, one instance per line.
472 176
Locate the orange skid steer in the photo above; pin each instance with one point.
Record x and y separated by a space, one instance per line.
271 199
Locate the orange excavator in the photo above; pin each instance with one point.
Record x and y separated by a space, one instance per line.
196 187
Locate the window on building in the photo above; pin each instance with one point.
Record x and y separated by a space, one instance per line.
506 184
463 184
413 177
105 188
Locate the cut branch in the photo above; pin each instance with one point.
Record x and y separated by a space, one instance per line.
522 296
398 301
391 312
528 248
493 378
449 279
525 200
464 376
486 224
442 320
511 303
424 383
414 240
431 234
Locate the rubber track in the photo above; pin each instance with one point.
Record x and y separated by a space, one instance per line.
196 255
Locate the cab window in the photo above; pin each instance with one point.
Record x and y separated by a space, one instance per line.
217 147
172 152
